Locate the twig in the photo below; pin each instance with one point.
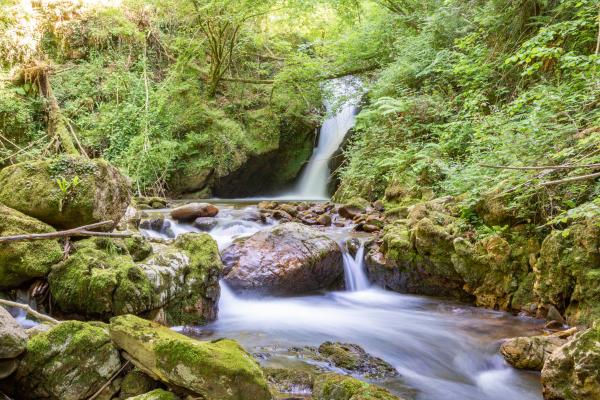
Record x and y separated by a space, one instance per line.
29 310
81 231
112 378
572 179
543 167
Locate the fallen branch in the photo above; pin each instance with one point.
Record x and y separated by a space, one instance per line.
572 179
84 231
30 311
543 167
112 378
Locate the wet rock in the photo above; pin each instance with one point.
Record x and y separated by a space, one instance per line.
69 362
291 380
324 220
190 212
572 372
282 216
157 394
13 338
379 206
101 279
22 261
354 358
369 228
253 216
352 245
340 387
205 223
289 208
220 369
149 203
136 383
7 367
354 208
288 259
267 205
95 191
530 352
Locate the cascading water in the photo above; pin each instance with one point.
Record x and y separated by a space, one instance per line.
314 179
355 276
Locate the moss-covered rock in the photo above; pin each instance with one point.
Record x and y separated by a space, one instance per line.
101 279
135 383
157 394
22 261
218 370
69 362
530 352
355 359
66 192
340 387
13 338
572 372
291 380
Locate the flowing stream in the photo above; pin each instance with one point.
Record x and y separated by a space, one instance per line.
442 350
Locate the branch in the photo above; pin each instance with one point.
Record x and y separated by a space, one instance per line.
29 310
81 231
543 167
112 378
572 179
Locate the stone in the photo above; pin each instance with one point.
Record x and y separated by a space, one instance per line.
355 359
354 208
90 191
205 223
324 220
379 206
136 383
291 380
157 394
69 362
340 387
23 261
101 279
290 258
572 372
289 208
529 352
13 339
190 212
7 367
217 370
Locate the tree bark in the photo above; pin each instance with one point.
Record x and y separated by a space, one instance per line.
84 231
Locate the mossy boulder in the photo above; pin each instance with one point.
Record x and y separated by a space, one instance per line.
157 394
69 362
13 338
291 380
22 261
355 359
136 383
530 352
341 387
66 192
217 370
572 372
102 279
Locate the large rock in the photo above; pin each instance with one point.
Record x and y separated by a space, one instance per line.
22 261
572 372
69 362
101 279
190 212
340 387
13 338
530 352
157 394
288 259
66 192
217 370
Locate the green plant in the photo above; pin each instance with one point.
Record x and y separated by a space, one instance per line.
67 189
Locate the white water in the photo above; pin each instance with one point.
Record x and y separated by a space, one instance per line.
355 276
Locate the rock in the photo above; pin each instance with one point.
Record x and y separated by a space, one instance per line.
267 205
572 372
157 394
69 362
379 206
100 280
291 380
352 245
340 387
354 358
353 208
554 315
205 223
138 247
23 261
370 228
289 208
217 370
282 216
192 211
144 203
136 383
7 367
288 259
324 220
92 191
530 352
13 339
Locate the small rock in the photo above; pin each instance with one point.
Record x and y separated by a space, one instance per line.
378 205
530 352
554 315
340 387
370 228
13 338
291 380
324 220
135 383
290 209
354 358
192 211
281 215
268 205
205 223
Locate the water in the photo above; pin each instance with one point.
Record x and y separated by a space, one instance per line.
441 349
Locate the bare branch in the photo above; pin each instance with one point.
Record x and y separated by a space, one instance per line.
30 311
572 179
81 231
542 167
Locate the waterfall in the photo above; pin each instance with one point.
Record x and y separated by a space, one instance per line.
314 179
355 275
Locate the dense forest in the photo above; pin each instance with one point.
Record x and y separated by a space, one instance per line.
162 164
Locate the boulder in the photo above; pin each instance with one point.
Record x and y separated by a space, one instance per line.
291 380
354 208
341 387
205 223
190 212
530 352
69 362
354 358
13 338
136 383
157 394
23 261
66 192
288 259
102 279
572 372
217 370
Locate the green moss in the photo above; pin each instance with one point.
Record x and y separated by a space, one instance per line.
22 261
157 394
138 247
136 383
